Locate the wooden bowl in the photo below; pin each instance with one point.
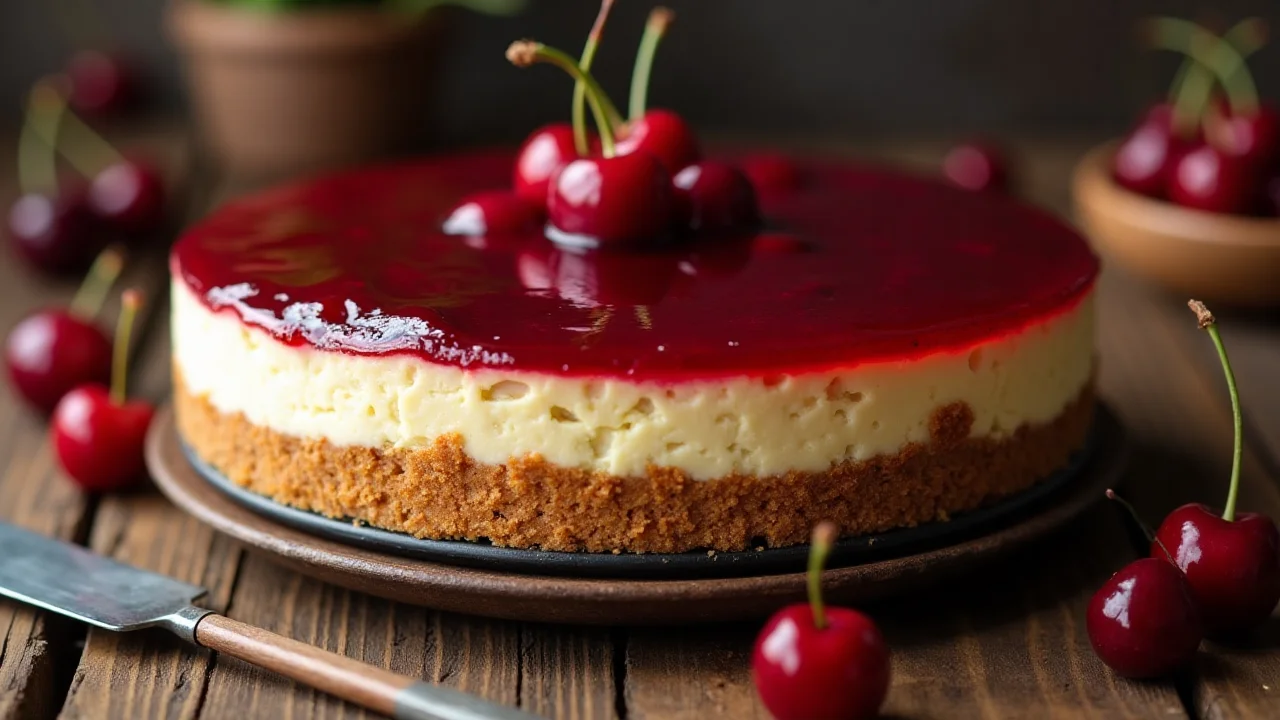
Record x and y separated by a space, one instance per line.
1224 258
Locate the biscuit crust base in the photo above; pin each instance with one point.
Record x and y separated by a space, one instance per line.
440 492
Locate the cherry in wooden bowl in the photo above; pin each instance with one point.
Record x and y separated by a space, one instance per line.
1233 259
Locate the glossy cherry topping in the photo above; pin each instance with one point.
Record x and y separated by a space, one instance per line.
893 267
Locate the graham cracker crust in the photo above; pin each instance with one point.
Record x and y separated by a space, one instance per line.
440 492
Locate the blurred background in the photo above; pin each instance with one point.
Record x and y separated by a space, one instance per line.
831 67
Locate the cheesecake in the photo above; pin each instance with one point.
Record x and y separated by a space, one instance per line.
885 351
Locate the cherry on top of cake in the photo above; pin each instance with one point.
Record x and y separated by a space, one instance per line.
855 265
627 254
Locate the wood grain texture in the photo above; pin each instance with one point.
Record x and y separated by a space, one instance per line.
568 672
476 656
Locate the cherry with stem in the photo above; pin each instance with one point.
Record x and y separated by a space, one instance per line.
52 351
812 661
655 29
1232 560
661 132
98 434
611 200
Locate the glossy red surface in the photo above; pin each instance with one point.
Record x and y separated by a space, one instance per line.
894 268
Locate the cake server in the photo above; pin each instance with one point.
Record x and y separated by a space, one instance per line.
72 581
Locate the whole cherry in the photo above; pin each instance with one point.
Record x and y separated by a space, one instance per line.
1253 135
1232 561
58 232
816 663
541 156
662 133
1205 178
130 195
101 83
601 201
718 197
493 213
1143 622
52 351
1144 161
976 166
98 435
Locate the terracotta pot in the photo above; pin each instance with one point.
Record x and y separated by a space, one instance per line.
1208 256
286 92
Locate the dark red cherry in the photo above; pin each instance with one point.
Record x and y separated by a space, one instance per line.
592 278
57 234
1233 567
976 166
663 134
1143 622
130 195
610 201
1145 160
1254 137
541 156
494 212
99 442
1205 178
51 352
101 83
772 175
718 196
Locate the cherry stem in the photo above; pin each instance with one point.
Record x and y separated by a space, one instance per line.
97 283
1192 87
1211 51
1209 324
37 145
527 52
660 20
824 535
580 88
130 301
1133 513
93 152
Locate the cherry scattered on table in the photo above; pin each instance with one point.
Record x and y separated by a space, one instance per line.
98 434
813 662
1143 622
1232 560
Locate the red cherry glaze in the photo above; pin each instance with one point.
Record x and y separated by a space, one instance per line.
663 134
56 234
99 443
1143 622
959 265
607 202
101 83
1233 568
592 277
130 195
771 174
779 243
976 166
718 196
839 672
51 352
493 212
1255 138
1206 178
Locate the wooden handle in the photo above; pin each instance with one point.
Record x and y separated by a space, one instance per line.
370 687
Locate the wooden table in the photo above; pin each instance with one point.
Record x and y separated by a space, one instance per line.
1010 642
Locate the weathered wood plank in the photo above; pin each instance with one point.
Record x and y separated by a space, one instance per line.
477 656
691 673
568 673
1184 424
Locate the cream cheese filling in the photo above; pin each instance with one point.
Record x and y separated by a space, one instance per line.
708 429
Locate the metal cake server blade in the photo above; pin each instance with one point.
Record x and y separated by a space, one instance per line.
72 581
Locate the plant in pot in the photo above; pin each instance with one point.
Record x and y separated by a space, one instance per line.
287 86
